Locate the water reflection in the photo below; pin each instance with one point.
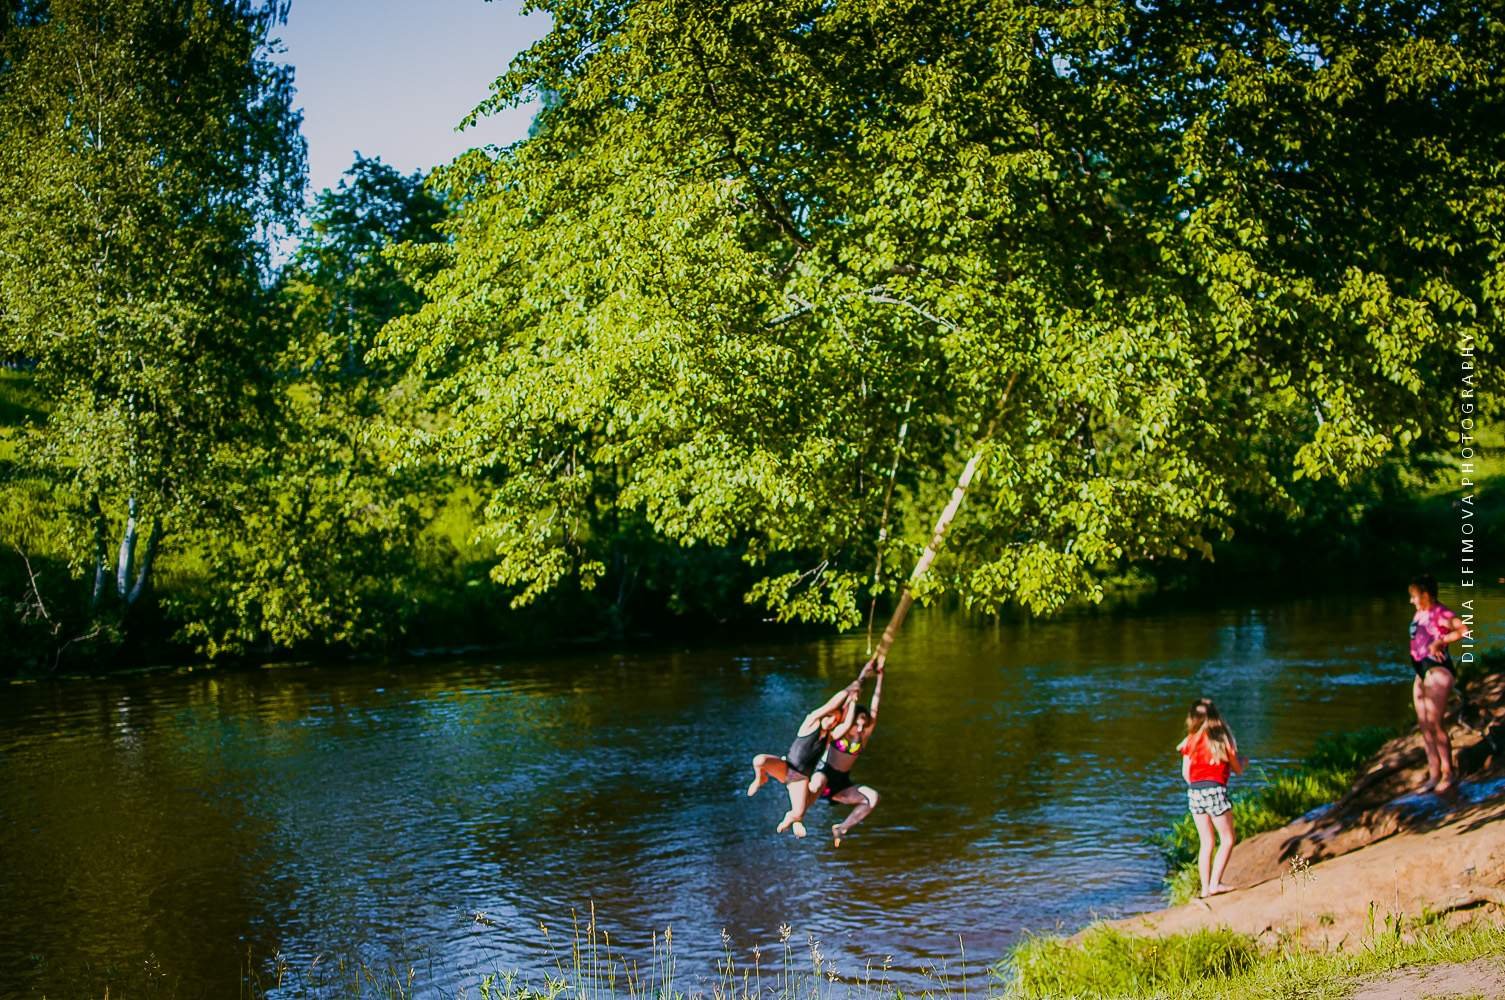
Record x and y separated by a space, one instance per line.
182 819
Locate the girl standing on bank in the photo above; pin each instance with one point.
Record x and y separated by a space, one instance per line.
1208 756
1433 628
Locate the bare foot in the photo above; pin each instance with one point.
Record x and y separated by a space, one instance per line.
1217 890
1427 786
836 834
790 819
798 828
1447 786
758 781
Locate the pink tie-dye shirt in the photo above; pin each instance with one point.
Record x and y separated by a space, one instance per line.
1428 626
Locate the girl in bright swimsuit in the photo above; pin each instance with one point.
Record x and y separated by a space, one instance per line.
833 778
795 767
1433 628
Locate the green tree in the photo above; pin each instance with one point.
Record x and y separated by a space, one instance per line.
319 536
791 278
145 150
340 281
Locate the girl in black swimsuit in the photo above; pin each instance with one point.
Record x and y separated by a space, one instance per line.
1434 627
794 768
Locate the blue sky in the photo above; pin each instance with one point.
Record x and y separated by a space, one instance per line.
392 78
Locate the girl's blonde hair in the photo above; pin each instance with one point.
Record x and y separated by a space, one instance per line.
1204 718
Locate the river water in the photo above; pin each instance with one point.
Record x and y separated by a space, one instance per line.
161 828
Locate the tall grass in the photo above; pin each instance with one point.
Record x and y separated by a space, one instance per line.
1322 777
1104 964
589 965
1111 963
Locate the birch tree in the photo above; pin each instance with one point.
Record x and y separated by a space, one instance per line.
145 147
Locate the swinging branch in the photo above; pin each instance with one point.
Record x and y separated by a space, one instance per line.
888 496
958 494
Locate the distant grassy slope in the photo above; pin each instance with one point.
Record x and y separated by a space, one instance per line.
20 404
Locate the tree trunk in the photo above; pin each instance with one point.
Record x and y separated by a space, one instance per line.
127 551
147 558
906 599
101 564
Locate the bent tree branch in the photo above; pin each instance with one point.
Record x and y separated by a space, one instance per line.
938 534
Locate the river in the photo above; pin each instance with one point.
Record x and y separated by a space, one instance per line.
159 828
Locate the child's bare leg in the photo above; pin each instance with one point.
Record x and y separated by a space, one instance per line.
1226 839
864 798
812 793
765 766
799 796
1204 852
1423 702
1436 687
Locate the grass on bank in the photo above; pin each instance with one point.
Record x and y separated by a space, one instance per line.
1104 964
1110 965
1322 777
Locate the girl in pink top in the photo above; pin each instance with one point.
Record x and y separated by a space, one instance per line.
1433 628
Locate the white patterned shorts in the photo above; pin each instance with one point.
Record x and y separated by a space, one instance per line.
1210 801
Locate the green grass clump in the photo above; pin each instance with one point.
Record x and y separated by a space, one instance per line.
1110 965
1322 777
1107 962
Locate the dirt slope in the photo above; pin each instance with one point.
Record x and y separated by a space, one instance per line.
1381 850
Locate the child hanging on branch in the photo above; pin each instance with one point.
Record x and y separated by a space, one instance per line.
794 768
833 778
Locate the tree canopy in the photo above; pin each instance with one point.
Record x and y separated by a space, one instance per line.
319 538
768 276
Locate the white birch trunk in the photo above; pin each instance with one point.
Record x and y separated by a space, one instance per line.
958 494
149 556
127 551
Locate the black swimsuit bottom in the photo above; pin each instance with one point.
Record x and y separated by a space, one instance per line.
836 781
1422 666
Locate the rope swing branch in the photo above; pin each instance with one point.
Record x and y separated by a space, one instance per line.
958 494
888 496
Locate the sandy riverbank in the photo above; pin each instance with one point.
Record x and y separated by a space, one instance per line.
1382 852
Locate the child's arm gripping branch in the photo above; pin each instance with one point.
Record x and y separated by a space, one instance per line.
833 702
845 725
